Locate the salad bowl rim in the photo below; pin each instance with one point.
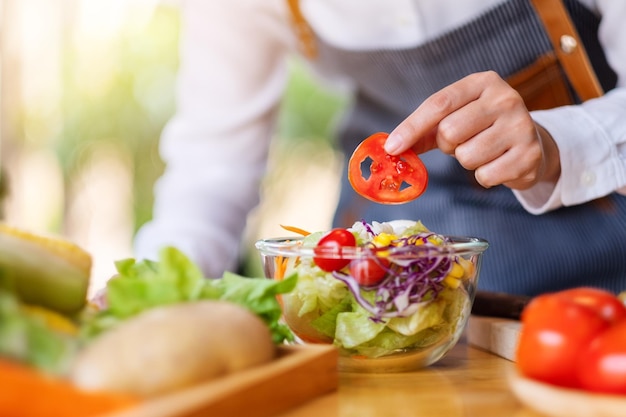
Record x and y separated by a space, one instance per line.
293 246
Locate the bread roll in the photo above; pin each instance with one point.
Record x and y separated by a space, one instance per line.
167 348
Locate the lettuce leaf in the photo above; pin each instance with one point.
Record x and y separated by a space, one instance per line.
174 278
26 338
256 294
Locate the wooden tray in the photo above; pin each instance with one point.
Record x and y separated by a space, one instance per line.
299 374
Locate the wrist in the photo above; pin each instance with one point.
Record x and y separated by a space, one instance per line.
551 156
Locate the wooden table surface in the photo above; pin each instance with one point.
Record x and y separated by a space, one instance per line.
467 382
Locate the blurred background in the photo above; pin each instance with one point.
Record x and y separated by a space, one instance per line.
86 87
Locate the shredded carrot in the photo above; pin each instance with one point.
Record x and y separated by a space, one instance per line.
295 230
281 267
359 357
279 274
26 392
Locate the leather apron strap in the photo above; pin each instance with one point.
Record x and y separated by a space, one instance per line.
568 48
306 38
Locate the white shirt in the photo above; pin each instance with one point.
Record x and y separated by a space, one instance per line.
232 74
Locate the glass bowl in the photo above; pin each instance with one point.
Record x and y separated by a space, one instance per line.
409 318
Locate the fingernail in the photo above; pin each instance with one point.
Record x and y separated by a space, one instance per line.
393 143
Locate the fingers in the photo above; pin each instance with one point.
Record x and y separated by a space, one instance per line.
428 116
466 129
505 153
517 168
508 151
483 123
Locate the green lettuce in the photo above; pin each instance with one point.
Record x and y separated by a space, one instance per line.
26 338
174 278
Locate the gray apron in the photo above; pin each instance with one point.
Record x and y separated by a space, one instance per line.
528 254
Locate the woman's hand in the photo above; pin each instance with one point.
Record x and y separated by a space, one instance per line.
482 122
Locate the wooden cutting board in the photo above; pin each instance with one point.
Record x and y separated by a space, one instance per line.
495 335
299 374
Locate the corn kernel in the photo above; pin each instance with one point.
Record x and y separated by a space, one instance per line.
456 271
384 239
451 282
467 266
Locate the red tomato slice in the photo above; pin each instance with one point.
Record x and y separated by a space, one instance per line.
393 179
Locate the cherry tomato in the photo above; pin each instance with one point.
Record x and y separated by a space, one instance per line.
331 244
602 366
555 330
393 179
369 271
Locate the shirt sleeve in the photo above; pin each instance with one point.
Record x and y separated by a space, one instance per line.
591 137
231 77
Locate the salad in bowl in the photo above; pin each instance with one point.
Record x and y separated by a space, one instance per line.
391 296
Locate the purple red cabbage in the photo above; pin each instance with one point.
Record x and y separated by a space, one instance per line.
415 275
368 228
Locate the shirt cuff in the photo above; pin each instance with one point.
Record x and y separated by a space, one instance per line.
541 198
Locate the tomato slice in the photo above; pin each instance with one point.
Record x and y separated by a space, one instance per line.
393 179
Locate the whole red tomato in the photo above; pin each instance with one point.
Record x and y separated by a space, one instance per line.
556 328
603 302
602 366
328 252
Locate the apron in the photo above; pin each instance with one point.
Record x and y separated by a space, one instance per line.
528 254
